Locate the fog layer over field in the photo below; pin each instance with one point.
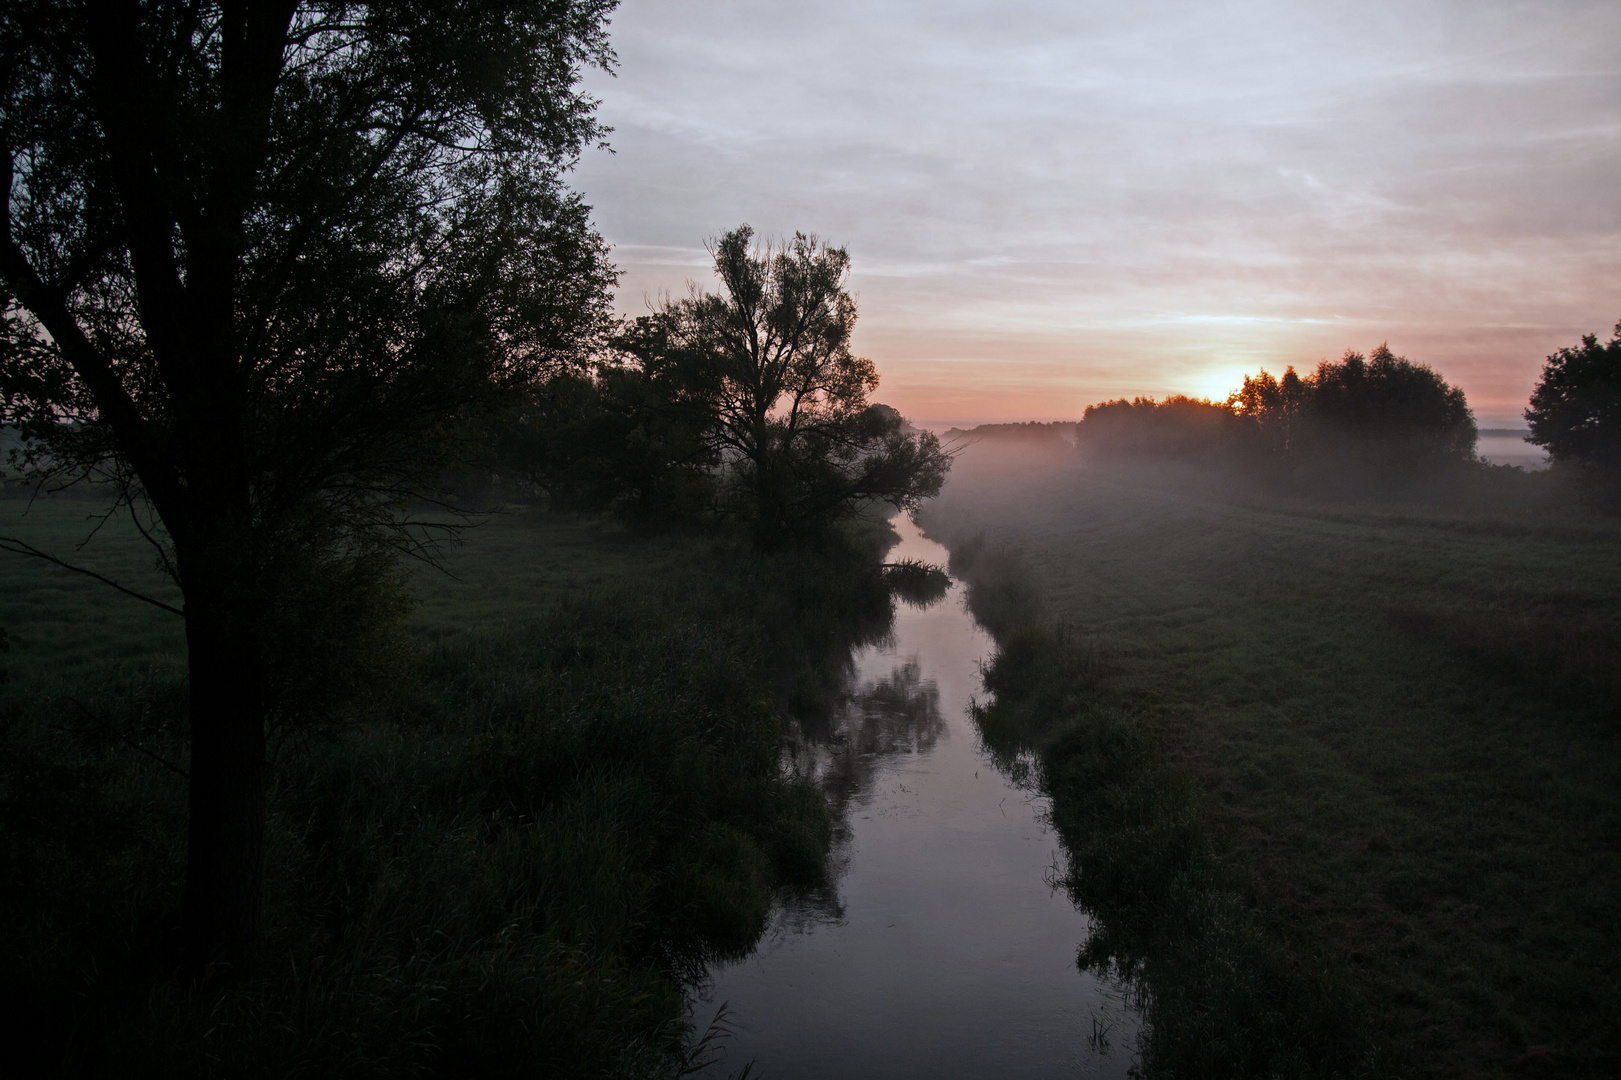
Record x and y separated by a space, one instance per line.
1393 722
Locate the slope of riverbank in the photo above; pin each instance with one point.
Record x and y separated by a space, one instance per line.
1398 732
513 855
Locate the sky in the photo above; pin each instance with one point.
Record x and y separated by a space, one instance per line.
1049 204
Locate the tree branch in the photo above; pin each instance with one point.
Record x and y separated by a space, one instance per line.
123 103
49 306
21 547
126 740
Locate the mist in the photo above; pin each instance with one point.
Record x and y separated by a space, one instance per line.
658 540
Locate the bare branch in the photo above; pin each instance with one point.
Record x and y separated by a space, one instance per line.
126 740
111 396
21 547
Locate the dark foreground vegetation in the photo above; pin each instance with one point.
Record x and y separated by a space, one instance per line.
291 290
1338 778
562 797
263 264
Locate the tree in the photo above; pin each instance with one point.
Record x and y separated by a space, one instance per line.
1402 412
607 438
554 441
1362 426
1575 410
766 364
1177 427
260 261
1272 406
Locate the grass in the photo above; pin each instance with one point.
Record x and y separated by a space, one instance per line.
1222 996
67 627
1397 730
513 858
503 572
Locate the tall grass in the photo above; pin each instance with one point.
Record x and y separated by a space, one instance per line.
1568 650
513 860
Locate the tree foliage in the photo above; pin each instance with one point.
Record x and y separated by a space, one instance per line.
763 370
1386 404
607 439
1575 410
1177 427
260 261
1382 403
1358 425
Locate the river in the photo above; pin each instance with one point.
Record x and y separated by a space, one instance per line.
940 949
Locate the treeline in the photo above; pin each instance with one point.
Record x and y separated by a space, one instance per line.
1360 421
1033 432
744 406
1371 426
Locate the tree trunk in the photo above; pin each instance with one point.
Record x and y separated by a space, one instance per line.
226 850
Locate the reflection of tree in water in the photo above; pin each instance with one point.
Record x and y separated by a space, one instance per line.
841 748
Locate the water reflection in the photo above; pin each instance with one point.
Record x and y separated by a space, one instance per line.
938 949
842 750
916 582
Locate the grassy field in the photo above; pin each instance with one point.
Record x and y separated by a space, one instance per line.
67 627
1400 731
509 856
505 571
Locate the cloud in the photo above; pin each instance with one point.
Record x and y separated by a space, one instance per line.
1098 195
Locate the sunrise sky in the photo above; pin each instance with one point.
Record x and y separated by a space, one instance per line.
1052 203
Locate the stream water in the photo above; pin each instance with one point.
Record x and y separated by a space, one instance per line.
941 949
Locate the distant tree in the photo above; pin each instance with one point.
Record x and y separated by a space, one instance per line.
606 439
1387 404
766 365
261 261
555 441
1271 406
1363 425
1575 410
1178 427
1055 434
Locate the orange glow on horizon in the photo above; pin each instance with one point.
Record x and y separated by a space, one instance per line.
1093 201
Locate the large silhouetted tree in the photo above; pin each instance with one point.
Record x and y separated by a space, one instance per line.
259 260
1575 410
766 364
1403 412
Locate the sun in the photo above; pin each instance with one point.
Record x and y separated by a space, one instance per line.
1217 383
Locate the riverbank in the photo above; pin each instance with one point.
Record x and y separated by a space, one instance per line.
941 947
1395 734
513 855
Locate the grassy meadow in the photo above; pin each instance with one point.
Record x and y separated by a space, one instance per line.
1394 734
560 796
